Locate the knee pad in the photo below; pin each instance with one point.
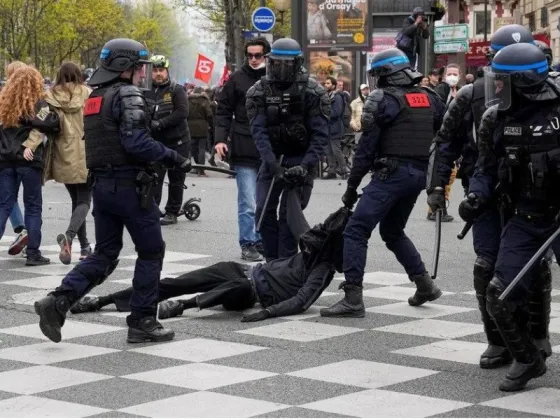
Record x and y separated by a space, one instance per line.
482 273
496 308
158 255
98 273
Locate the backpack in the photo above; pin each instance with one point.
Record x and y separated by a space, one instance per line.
347 114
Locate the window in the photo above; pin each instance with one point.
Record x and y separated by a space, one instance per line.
544 17
479 23
531 21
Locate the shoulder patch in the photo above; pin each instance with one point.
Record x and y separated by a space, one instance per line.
93 106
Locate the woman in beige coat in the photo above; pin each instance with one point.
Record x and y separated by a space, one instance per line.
66 158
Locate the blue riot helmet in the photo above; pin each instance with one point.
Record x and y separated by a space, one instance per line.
119 55
392 68
285 60
508 35
546 50
518 68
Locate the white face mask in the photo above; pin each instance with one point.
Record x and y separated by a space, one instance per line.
452 80
260 66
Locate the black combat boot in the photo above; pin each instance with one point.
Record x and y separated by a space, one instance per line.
528 361
52 312
497 354
147 330
170 309
351 306
539 308
86 304
426 290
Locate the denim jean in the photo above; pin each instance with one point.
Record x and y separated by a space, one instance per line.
246 179
10 179
16 218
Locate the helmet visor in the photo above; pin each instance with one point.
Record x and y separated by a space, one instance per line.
142 77
497 89
281 69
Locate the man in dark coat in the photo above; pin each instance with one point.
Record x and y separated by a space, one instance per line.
231 117
200 120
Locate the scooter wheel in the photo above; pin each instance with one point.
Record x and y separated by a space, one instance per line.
192 211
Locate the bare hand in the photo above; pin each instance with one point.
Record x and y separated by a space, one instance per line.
28 154
221 150
419 19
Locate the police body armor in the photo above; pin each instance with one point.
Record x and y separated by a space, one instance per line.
470 150
530 168
101 131
285 113
411 133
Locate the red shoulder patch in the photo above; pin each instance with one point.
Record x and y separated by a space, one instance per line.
417 100
93 106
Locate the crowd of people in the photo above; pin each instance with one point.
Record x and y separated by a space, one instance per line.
274 124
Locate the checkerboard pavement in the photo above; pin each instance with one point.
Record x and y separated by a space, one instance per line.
398 361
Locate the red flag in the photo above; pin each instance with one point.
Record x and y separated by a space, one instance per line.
225 75
204 69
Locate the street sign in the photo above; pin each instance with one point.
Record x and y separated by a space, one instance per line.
263 19
451 47
458 32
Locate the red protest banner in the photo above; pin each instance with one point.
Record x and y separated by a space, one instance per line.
204 69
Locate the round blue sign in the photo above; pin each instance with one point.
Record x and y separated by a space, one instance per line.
263 19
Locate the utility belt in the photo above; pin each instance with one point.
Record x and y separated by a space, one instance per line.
547 216
145 183
387 165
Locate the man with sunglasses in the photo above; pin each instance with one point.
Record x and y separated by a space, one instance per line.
231 121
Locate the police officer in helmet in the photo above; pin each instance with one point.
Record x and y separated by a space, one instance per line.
519 148
399 121
457 140
545 48
288 112
170 110
118 151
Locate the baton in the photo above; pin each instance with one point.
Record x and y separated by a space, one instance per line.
538 255
435 261
267 198
213 168
465 230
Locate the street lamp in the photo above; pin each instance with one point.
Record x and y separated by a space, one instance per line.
282 6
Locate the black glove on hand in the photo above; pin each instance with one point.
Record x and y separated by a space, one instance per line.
471 207
350 197
277 170
257 316
25 120
296 175
183 164
436 199
156 125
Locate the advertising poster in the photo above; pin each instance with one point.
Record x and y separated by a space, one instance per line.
338 23
338 64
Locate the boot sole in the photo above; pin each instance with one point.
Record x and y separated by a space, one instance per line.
45 319
430 298
344 315
16 248
149 339
65 254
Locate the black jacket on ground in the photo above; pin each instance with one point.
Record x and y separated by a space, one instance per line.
172 113
231 103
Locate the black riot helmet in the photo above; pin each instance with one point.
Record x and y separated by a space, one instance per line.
392 68
520 68
546 50
285 60
119 55
508 35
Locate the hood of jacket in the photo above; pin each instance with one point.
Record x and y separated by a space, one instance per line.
199 97
68 103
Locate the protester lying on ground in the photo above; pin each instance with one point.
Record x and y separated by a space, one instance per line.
283 287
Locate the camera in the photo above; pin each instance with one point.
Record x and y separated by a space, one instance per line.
424 19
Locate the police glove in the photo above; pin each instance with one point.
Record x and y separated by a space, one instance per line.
350 197
471 207
183 164
257 316
277 170
296 175
156 125
436 199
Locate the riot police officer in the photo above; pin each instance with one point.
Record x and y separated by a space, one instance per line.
118 148
519 148
288 112
399 121
457 139
545 48
170 109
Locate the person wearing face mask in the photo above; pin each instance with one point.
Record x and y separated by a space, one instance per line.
119 153
170 110
231 121
449 87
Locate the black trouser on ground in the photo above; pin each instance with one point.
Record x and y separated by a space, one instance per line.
176 183
198 149
224 283
80 195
